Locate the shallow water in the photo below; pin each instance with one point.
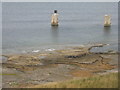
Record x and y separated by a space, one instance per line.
26 26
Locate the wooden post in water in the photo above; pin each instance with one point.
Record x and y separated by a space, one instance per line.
107 21
54 18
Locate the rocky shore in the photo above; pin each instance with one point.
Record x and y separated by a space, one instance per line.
23 70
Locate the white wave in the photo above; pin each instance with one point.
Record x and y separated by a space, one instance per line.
52 49
35 51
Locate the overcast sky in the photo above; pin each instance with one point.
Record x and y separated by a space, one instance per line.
60 0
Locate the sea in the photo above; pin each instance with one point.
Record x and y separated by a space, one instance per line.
26 26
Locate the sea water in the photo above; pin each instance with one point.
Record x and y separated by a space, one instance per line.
26 26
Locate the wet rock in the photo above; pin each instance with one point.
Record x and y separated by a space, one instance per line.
78 56
42 57
3 59
46 67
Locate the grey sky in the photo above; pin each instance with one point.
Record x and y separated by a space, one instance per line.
60 0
